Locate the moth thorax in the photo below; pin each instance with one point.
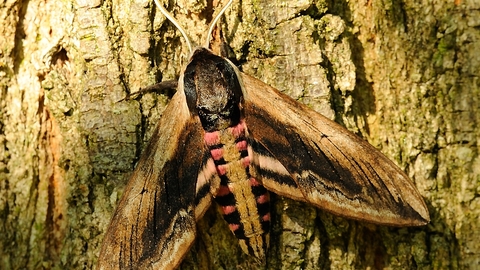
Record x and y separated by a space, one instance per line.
213 90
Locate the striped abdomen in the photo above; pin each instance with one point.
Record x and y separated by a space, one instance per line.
243 200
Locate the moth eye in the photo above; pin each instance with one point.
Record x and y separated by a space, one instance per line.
208 110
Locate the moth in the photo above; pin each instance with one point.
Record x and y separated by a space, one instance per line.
230 138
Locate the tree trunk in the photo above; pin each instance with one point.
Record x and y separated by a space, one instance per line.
402 74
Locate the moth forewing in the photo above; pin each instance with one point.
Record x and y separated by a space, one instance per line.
154 223
333 168
272 173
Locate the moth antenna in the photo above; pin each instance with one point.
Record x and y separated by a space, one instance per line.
179 27
212 25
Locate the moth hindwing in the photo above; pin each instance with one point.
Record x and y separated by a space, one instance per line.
229 138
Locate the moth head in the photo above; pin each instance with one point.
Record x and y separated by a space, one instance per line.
212 89
210 82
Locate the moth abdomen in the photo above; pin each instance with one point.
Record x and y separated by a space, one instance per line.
243 200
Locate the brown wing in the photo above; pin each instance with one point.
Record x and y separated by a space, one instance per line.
329 166
154 224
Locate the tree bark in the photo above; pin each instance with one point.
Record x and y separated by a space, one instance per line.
402 74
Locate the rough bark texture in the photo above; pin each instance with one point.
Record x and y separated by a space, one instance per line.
403 74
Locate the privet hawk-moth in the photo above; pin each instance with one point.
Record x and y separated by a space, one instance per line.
228 137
